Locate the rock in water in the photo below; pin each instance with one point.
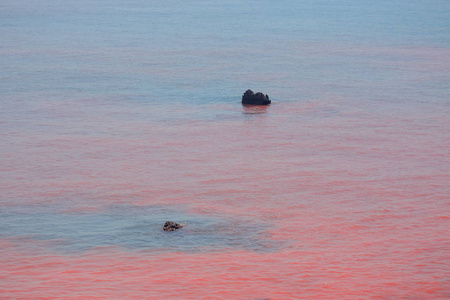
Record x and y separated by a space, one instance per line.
251 98
171 226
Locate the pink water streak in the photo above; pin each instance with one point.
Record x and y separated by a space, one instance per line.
357 201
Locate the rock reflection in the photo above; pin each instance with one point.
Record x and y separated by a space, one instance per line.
254 109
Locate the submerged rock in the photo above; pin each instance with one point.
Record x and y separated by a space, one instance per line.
171 226
251 98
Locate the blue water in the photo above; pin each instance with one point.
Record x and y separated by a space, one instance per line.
130 227
208 51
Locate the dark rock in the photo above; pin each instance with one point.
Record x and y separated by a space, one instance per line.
251 98
171 226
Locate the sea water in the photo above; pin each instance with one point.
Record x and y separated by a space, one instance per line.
116 116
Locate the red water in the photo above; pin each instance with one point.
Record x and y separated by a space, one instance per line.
354 199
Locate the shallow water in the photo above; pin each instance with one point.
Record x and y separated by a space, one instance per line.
117 117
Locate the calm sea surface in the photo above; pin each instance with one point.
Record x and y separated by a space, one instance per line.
116 116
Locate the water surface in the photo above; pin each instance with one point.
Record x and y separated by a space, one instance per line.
116 117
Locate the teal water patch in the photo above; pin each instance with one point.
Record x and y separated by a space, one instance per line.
134 227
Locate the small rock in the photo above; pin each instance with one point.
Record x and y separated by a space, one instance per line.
171 226
251 98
